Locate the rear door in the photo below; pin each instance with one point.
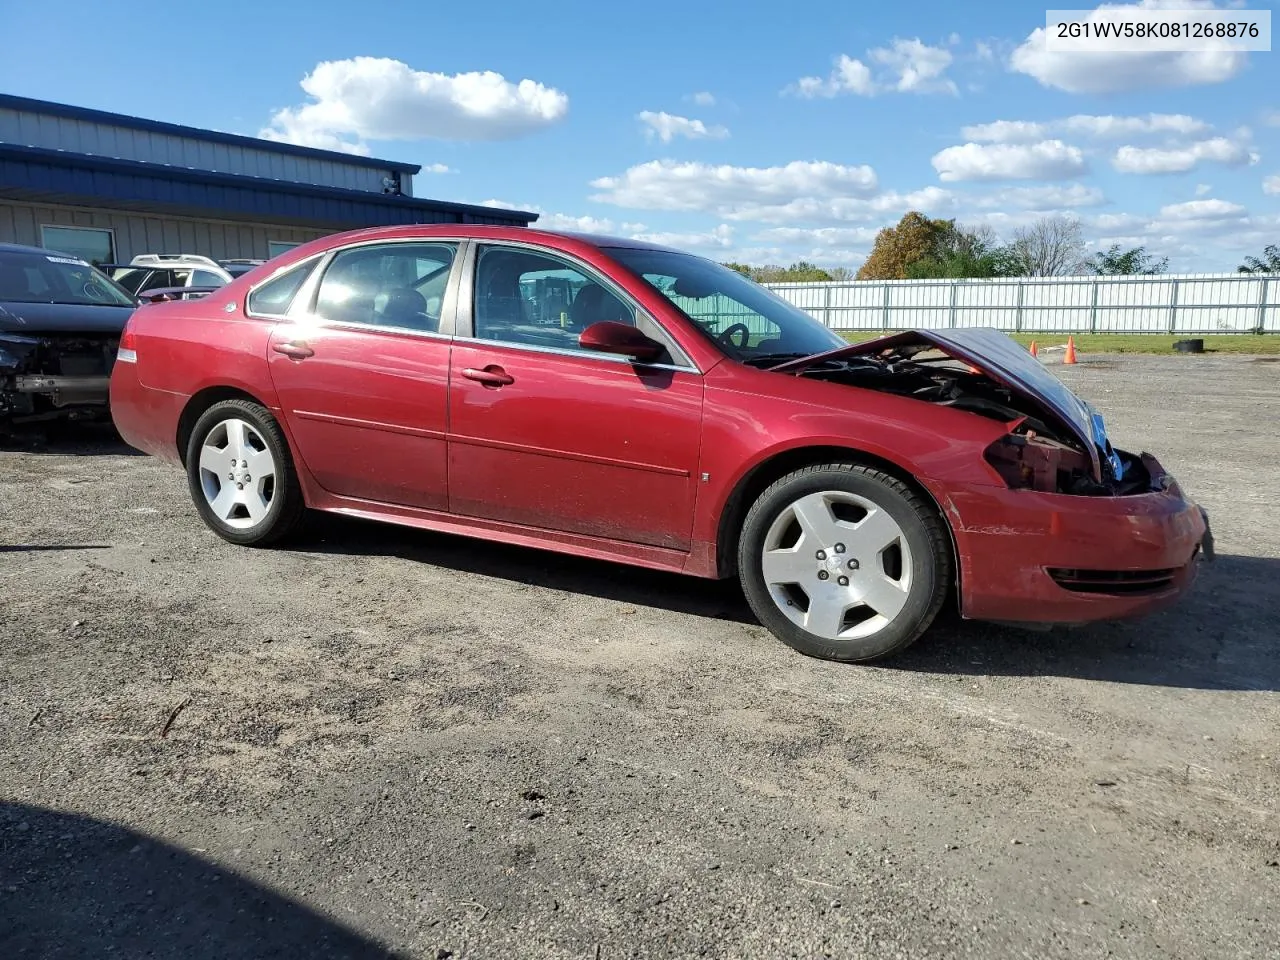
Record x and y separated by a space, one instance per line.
361 369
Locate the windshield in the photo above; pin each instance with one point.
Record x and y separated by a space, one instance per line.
55 278
747 321
239 269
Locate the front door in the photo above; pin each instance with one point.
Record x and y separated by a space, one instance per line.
548 435
362 374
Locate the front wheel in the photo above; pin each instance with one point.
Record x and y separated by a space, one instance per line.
241 476
844 562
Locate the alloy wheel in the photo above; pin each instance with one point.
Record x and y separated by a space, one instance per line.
837 565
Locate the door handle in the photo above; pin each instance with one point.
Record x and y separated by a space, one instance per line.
490 376
294 349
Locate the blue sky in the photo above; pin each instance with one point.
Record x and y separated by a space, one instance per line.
752 131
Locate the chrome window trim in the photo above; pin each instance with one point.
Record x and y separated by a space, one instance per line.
466 309
303 313
576 354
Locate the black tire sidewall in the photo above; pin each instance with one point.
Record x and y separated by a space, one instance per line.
927 574
261 420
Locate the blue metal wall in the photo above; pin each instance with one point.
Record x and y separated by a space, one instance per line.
35 123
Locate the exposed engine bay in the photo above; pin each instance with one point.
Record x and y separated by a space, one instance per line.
1042 451
54 376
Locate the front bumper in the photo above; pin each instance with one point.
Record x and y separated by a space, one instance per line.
1031 557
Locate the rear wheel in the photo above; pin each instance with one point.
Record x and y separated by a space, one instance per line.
241 475
844 562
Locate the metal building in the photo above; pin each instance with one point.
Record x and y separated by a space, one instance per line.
107 187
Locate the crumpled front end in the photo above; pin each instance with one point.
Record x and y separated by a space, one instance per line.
1030 556
1066 529
54 376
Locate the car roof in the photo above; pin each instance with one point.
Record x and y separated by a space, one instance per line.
488 231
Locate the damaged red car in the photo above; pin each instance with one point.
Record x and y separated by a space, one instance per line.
632 403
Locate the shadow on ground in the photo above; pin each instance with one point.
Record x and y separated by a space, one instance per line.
70 439
54 547
1224 636
72 886
335 535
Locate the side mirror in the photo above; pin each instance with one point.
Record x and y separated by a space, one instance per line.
609 336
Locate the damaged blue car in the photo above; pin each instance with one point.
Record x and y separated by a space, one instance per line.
60 325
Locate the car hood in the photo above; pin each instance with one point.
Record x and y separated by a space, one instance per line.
33 319
1005 361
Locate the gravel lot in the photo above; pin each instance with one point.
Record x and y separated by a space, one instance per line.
383 740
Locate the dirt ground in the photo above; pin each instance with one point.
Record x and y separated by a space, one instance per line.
379 740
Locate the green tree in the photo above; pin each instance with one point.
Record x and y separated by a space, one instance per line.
800 272
915 238
966 252
1269 262
1117 262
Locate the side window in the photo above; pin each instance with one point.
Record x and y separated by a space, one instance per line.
274 297
203 278
155 280
390 285
539 300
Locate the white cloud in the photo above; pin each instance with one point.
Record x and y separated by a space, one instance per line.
822 236
719 238
376 98
1047 160
704 98
1048 197
1130 159
1271 118
586 224
666 127
569 222
1271 185
1005 131
729 191
934 200
1117 221
1202 210
437 168
1100 127
1099 72
918 67
1203 189
849 76
1113 127
908 66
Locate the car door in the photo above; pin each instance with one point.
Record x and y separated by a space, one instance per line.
361 368
545 434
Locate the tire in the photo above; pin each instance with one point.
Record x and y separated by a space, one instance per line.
844 562
254 499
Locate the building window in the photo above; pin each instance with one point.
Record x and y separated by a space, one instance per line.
277 247
96 246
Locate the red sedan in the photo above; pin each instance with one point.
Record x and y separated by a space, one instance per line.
633 403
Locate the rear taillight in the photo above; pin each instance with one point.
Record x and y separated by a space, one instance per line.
127 349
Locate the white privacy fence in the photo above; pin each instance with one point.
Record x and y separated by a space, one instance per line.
1169 304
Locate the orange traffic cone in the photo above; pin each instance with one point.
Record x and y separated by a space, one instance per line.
1070 356
1034 351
